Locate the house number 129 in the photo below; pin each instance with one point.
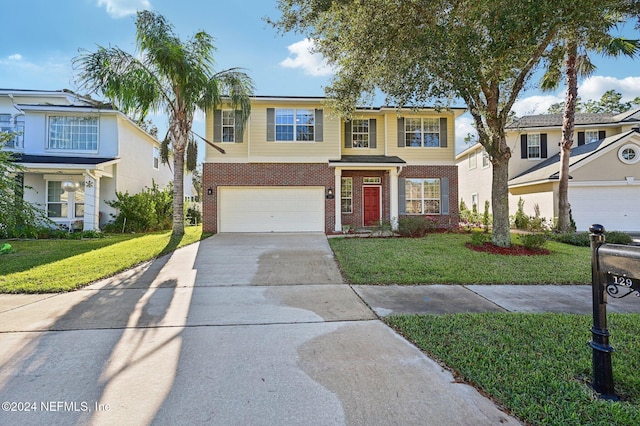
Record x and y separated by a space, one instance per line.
623 281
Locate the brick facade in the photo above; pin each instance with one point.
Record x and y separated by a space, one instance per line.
314 174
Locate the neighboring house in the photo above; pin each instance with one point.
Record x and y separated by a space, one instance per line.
77 152
604 184
297 167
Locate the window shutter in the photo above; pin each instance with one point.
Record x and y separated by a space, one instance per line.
348 141
443 132
372 134
523 147
543 145
239 127
217 126
444 196
402 197
319 124
602 134
401 141
580 138
271 124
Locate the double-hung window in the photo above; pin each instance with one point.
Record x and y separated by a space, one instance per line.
295 125
228 126
591 136
422 196
346 194
422 132
473 160
13 125
360 133
533 146
73 133
156 157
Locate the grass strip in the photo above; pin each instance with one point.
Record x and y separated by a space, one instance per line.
444 259
537 366
52 266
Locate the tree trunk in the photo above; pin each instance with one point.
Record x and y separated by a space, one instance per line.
501 236
568 121
178 191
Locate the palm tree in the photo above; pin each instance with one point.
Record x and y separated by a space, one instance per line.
171 75
570 55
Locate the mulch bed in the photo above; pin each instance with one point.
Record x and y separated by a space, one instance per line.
513 250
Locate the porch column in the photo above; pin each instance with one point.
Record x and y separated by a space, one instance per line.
91 202
338 194
393 194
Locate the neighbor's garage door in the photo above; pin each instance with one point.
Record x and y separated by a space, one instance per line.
617 208
271 209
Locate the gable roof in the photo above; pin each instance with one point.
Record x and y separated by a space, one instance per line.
549 170
581 119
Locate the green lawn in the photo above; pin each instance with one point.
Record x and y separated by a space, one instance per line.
51 266
537 366
444 259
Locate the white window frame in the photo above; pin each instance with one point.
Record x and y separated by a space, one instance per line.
293 119
485 159
533 143
473 160
414 131
228 119
156 158
346 194
474 200
71 202
372 180
360 133
13 124
424 198
623 156
591 136
69 132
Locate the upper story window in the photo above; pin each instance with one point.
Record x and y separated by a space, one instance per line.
591 136
73 133
228 126
485 159
294 125
423 132
533 146
629 154
473 161
156 157
360 133
14 125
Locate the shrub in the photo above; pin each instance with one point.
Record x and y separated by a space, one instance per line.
617 237
533 241
415 226
193 215
582 239
486 217
478 238
149 210
521 220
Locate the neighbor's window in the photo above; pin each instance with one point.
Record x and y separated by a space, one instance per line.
422 132
13 125
156 157
295 124
629 154
533 146
360 133
73 133
473 161
485 159
346 194
591 136
228 126
422 196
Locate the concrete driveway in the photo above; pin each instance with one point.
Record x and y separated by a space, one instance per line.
239 329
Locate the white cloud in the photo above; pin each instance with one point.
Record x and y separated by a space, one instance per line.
312 64
121 8
594 87
538 104
464 126
15 57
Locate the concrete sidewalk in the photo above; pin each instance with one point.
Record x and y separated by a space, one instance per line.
253 329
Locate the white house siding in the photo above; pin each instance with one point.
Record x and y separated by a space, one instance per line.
474 181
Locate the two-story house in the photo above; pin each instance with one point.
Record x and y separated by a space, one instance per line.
297 167
604 184
76 153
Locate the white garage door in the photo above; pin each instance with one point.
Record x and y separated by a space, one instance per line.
271 209
617 208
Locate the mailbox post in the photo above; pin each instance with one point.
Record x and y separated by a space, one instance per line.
615 272
601 359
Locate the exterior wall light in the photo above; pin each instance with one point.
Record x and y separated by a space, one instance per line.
210 191
330 195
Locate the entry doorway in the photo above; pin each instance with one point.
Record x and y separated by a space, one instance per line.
372 205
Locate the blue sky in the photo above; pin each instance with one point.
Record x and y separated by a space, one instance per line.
42 37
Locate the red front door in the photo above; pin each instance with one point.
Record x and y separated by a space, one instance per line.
371 205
